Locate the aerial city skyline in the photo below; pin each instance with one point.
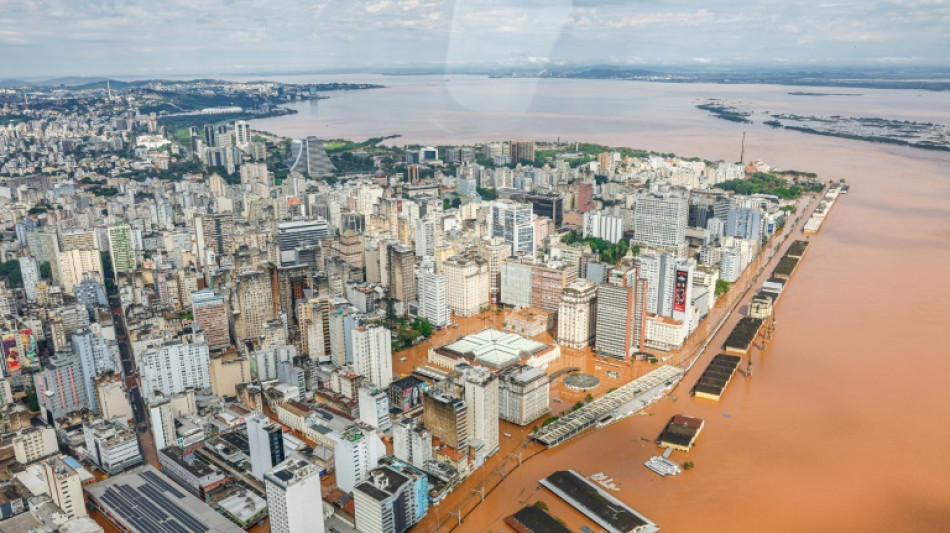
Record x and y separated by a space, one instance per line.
406 265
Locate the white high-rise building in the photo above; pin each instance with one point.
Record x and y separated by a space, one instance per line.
669 284
384 503
660 220
96 357
65 487
266 442
412 442
30 271
242 133
603 226
356 453
481 396
576 316
431 294
428 235
294 502
267 360
513 222
74 265
374 408
373 354
161 417
467 284
174 367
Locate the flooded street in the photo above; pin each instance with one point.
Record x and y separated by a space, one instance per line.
843 426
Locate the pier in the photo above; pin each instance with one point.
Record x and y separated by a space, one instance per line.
610 408
605 510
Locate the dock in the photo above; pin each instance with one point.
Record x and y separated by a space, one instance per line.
681 433
614 406
740 340
605 510
716 377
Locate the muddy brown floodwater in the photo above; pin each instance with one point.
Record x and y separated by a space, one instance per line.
844 426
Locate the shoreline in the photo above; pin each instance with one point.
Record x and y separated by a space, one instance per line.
531 449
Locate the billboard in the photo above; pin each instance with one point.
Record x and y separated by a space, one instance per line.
680 290
411 397
28 348
10 352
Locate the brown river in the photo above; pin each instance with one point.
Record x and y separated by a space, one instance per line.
844 426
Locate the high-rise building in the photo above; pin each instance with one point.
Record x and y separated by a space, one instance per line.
600 225
242 133
384 502
373 354
215 233
255 303
265 439
585 196
30 271
210 313
516 283
548 206
111 447
299 235
356 453
120 248
402 275
744 222
60 387
446 416
293 498
467 284
521 150
428 235
432 294
75 265
161 417
96 357
34 443
494 251
576 316
548 282
412 442
91 293
669 284
660 220
512 222
310 158
621 311
481 396
65 487
523 394
175 367
374 408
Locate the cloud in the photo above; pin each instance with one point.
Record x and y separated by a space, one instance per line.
136 37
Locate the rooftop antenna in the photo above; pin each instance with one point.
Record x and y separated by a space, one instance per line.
742 152
109 89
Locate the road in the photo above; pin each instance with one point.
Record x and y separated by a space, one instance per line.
129 375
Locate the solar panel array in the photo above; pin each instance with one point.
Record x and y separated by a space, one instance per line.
147 508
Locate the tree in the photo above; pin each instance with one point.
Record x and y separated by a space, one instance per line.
423 326
722 286
541 505
46 270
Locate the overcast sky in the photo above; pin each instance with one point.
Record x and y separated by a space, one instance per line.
151 38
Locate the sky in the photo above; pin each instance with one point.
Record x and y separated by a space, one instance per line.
152 38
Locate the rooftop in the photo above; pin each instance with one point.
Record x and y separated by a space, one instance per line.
145 500
494 348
